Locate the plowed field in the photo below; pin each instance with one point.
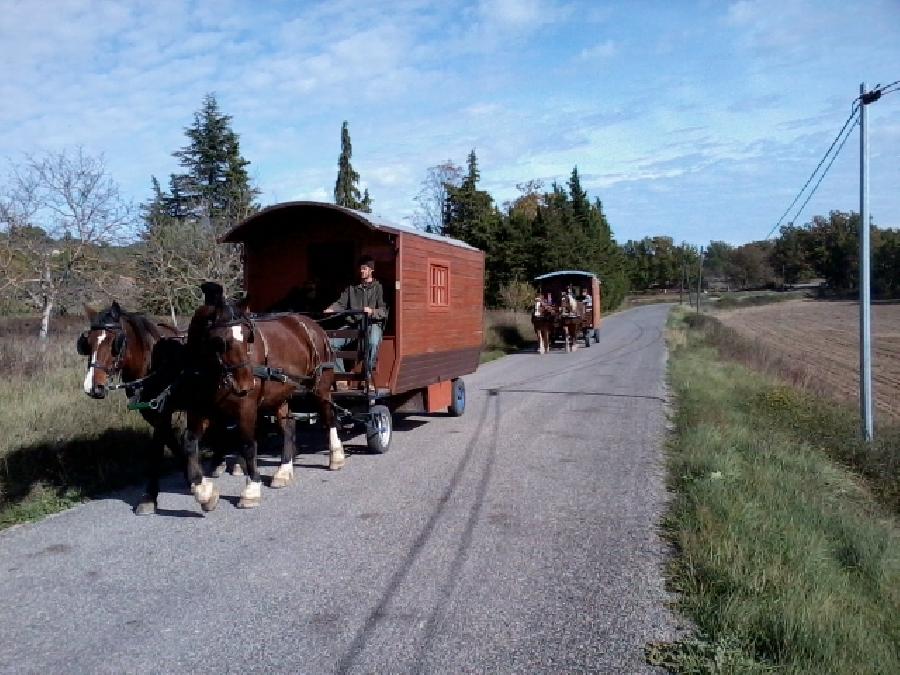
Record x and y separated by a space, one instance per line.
823 336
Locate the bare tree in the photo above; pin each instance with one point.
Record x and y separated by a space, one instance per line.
433 195
56 211
178 254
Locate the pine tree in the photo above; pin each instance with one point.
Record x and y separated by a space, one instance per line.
216 185
470 215
182 228
346 189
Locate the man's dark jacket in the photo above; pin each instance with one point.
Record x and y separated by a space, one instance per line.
358 296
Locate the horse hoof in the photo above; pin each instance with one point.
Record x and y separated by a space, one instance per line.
219 470
212 502
248 503
335 464
279 482
146 507
237 469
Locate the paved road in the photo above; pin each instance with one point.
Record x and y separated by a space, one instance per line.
520 537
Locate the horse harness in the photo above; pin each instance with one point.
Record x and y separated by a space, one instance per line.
265 372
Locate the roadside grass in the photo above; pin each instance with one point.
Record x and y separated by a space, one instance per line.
59 447
785 559
505 332
802 404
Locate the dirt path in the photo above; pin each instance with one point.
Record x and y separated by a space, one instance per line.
823 336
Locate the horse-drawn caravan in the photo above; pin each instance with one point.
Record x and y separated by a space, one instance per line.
298 256
270 354
568 306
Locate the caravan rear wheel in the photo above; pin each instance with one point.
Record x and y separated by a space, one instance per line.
457 398
379 429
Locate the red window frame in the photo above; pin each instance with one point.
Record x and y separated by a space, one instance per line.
438 284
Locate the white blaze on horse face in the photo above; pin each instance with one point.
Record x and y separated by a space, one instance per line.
89 378
537 307
237 333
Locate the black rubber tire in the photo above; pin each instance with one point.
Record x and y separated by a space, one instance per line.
457 398
380 430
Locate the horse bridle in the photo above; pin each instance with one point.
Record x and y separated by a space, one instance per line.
228 371
117 349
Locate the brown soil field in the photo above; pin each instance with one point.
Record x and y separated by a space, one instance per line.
823 337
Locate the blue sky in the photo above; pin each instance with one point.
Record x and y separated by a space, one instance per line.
698 120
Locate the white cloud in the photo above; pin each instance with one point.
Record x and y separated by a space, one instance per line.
599 52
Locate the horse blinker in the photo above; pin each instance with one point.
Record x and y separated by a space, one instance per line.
118 344
83 345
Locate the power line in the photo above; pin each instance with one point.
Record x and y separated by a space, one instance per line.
816 187
853 111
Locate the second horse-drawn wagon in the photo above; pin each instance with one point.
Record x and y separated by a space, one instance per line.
568 306
298 256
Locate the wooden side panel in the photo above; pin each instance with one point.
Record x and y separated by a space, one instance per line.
428 328
387 360
420 370
597 297
439 396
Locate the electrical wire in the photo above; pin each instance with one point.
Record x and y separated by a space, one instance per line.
816 186
853 111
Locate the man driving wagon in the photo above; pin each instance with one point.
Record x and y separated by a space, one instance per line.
368 297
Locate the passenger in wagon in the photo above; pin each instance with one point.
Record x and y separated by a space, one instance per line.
367 296
588 301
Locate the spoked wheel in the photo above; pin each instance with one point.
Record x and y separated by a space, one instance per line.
457 398
379 429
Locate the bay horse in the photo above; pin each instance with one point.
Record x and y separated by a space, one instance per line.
543 318
252 364
147 358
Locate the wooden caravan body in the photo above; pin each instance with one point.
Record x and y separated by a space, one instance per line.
299 256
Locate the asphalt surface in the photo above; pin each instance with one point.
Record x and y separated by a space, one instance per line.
521 537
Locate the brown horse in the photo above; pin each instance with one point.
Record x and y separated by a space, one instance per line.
543 318
253 364
148 360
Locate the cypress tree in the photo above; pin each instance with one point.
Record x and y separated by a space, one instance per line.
346 189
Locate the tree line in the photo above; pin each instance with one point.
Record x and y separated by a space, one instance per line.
67 234
825 249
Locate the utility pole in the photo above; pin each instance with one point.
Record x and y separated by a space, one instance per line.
865 309
683 274
699 279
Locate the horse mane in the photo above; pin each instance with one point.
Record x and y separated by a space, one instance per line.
145 330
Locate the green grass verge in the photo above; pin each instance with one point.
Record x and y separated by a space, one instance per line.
786 560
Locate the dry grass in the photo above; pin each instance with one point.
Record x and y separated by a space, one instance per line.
58 446
817 342
505 332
